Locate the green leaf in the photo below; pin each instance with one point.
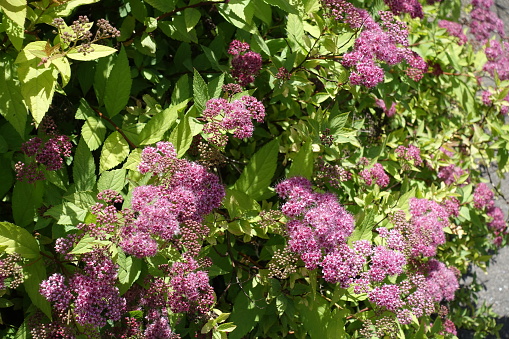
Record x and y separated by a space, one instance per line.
113 180
67 213
26 198
181 91
93 132
66 8
129 270
284 5
100 51
182 136
118 85
337 122
303 163
133 160
12 107
15 32
4 303
37 81
364 230
160 123
162 5
246 313
83 169
35 273
295 29
102 73
18 240
216 86
238 203
192 17
239 13
87 244
63 66
257 175
16 10
226 327
114 151
200 91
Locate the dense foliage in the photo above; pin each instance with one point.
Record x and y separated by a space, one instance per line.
249 168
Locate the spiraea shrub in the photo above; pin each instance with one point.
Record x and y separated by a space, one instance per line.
249 168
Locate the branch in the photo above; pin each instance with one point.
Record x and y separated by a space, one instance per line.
118 129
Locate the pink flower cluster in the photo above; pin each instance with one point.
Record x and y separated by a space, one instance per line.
234 117
412 7
455 29
427 224
483 198
410 153
498 61
190 288
375 174
484 22
49 153
388 112
186 194
246 64
450 174
385 42
90 293
318 224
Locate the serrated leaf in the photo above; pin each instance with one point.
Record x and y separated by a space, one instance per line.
113 180
114 151
181 90
129 270
26 198
35 273
364 230
83 169
93 132
12 107
37 82
67 213
18 240
15 32
257 175
118 85
16 11
102 72
64 68
303 163
100 51
226 327
239 13
182 137
87 244
284 5
200 91
133 160
238 203
160 123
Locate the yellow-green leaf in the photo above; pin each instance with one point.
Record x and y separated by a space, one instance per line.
114 151
16 10
98 52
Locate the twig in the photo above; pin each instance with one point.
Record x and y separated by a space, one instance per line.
118 129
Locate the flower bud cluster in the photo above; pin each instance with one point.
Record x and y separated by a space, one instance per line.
246 64
332 175
11 273
79 31
235 117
